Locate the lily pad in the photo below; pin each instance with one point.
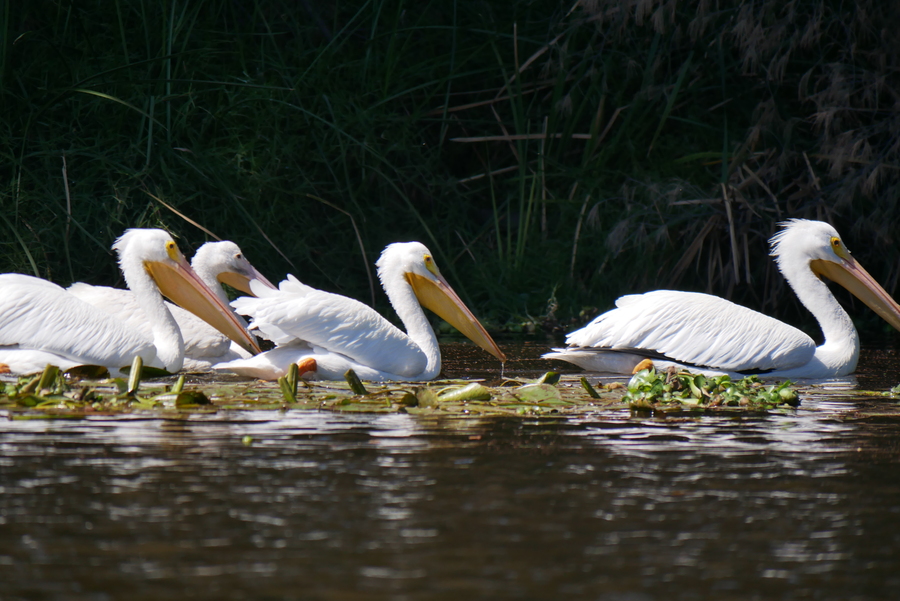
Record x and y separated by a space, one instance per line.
536 393
191 398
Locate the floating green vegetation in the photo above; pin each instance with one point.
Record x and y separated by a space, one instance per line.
649 390
56 394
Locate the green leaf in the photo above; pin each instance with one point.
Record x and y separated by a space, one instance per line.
551 377
355 385
589 389
426 397
535 393
472 392
286 391
288 384
88 372
191 398
134 376
48 377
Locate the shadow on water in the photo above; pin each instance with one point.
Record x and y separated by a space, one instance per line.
606 506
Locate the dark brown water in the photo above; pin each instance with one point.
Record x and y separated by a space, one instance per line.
796 505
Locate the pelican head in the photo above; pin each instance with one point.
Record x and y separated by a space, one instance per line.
155 253
815 245
224 262
416 264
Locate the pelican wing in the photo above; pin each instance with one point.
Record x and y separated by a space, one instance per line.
119 303
332 322
201 340
38 315
699 329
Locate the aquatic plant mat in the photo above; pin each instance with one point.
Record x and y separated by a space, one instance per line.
53 394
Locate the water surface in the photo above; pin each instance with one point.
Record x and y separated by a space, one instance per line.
607 506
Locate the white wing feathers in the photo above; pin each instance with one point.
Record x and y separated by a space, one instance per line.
332 322
37 314
201 340
699 329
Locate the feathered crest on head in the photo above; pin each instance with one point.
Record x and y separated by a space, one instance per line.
787 227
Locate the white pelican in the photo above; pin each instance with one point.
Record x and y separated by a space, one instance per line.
42 323
327 334
707 333
204 345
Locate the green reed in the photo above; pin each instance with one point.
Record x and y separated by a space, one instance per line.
552 156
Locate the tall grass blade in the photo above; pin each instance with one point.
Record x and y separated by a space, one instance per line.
22 245
671 102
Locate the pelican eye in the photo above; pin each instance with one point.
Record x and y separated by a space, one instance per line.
172 250
429 265
839 249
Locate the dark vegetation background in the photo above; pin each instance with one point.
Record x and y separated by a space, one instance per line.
553 155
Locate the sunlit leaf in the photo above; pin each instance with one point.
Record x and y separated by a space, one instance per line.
472 392
551 377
